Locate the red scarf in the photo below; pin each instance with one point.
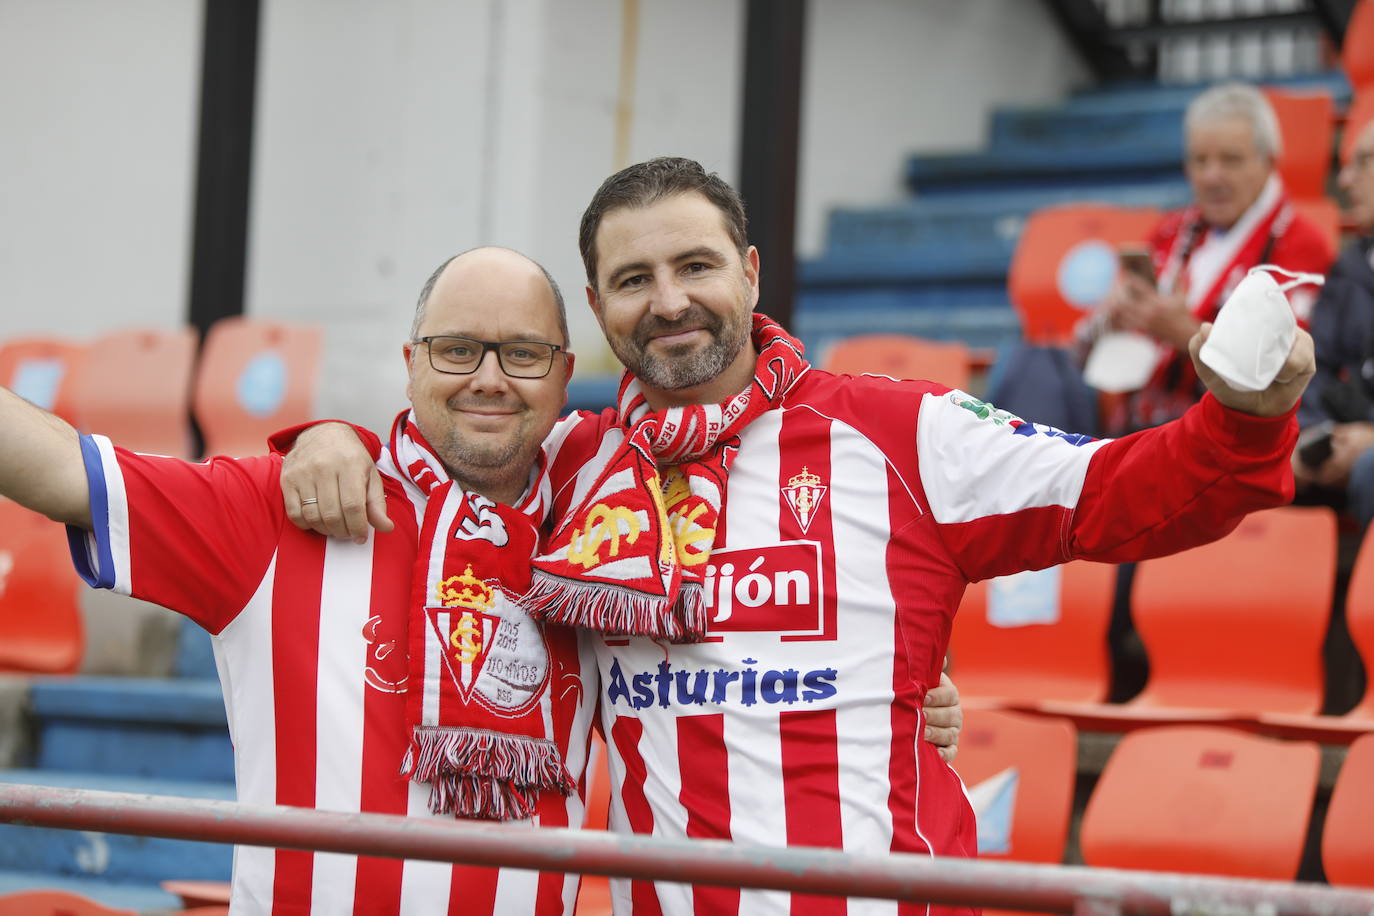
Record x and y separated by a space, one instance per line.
630 558
479 665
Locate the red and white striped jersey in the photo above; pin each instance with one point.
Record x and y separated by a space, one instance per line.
309 638
855 515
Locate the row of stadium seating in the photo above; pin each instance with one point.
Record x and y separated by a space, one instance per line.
1196 799
141 386
1234 632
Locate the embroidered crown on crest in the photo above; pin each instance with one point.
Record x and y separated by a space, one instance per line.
466 591
804 479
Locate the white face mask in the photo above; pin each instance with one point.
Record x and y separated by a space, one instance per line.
1255 329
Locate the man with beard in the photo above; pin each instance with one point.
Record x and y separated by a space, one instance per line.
1240 216
1339 406
825 528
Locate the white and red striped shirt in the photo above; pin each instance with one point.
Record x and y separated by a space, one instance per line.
855 515
309 638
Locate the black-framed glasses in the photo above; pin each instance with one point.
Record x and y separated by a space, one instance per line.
462 355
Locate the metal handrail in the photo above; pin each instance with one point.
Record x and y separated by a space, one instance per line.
1045 888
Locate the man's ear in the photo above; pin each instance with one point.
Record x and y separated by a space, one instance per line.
595 303
407 351
568 361
751 273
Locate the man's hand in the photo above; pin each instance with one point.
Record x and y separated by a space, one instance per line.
1348 442
944 718
1135 305
1281 394
329 484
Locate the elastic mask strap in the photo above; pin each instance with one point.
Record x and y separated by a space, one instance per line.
1299 278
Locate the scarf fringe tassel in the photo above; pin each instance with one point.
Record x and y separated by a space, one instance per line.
482 774
616 611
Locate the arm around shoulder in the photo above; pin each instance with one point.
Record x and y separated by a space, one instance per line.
41 466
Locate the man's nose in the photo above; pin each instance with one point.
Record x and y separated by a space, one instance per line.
1213 173
1346 176
488 375
670 298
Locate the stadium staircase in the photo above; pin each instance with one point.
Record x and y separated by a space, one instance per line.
161 736
935 265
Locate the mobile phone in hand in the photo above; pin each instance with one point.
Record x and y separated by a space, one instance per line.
1137 261
1314 445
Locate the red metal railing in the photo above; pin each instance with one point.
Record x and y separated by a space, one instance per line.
1062 889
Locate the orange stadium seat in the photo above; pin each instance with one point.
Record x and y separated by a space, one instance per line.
1231 631
1325 214
1306 124
1347 840
40 612
55 903
134 386
1035 636
255 377
594 894
199 894
1359 616
1020 774
40 369
1202 800
1357 53
902 356
1066 261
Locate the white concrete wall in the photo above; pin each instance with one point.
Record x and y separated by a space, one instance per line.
885 78
97 150
391 135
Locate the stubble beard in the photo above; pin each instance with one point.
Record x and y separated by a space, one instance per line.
483 463
683 366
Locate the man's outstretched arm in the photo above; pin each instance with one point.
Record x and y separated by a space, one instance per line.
40 462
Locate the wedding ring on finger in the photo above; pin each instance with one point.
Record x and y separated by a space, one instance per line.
310 501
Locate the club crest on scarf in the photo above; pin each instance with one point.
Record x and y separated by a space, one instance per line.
492 650
630 558
479 664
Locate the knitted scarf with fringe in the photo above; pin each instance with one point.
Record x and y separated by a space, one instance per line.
630 558
479 665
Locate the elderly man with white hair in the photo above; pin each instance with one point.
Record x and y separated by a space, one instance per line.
1240 216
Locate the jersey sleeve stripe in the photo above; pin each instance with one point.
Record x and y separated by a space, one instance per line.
973 466
101 555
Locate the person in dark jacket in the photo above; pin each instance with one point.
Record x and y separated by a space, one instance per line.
1334 461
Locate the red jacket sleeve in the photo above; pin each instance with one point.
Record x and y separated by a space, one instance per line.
1182 484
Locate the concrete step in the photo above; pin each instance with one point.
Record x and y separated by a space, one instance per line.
973 216
1074 168
1143 95
168 728
109 857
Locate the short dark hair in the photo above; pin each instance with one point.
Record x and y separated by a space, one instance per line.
646 183
428 290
